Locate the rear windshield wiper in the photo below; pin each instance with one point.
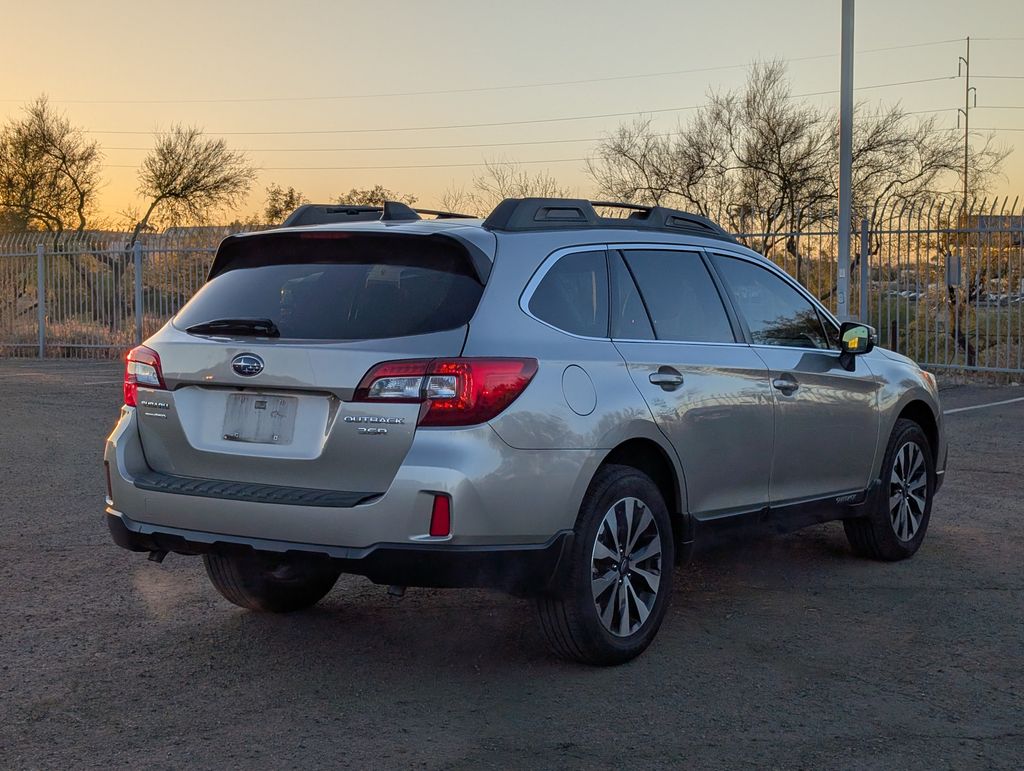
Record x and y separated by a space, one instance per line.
236 327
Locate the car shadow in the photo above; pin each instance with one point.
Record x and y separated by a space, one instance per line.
358 627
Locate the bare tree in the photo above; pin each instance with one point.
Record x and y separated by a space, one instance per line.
753 159
374 196
49 171
458 199
281 202
500 180
761 161
899 160
187 176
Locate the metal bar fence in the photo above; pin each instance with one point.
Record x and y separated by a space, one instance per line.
942 283
93 295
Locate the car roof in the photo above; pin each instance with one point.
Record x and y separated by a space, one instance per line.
548 224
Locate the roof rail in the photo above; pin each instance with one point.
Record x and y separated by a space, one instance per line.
391 211
527 214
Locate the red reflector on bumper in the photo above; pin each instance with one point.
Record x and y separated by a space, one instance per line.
441 516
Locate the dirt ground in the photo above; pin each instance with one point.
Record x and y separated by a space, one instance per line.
783 653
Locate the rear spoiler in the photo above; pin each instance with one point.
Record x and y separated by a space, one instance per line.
231 253
391 211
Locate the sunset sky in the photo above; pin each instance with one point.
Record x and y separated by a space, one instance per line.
299 70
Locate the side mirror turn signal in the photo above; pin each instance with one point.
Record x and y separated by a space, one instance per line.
854 339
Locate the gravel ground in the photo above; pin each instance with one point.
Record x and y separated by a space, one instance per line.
785 652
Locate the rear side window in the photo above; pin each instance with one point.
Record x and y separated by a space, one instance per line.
629 317
776 313
680 295
339 286
573 295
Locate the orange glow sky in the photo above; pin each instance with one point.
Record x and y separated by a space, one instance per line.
139 66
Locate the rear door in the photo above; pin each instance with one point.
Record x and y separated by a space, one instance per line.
278 410
709 393
827 419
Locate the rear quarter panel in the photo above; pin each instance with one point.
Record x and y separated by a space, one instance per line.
562 409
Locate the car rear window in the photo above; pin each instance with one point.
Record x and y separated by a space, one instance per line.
331 286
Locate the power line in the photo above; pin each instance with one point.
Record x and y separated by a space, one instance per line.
406 147
426 128
880 85
382 168
974 130
479 89
908 45
461 145
436 92
469 165
533 121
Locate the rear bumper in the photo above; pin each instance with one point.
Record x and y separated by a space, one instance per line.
520 568
500 496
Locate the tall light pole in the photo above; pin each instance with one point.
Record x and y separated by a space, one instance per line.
845 162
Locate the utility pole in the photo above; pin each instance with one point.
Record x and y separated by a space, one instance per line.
845 162
963 69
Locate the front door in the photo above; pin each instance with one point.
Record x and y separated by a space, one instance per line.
826 418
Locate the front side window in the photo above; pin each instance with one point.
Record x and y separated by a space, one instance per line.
680 296
573 295
775 312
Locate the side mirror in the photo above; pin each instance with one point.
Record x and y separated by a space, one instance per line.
854 339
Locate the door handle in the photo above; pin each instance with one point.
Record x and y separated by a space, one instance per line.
667 378
786 385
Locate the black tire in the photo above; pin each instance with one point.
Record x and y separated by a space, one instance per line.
569 613
875 535
278 584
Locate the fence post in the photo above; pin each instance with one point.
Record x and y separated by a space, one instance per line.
41 298
865 270
137 254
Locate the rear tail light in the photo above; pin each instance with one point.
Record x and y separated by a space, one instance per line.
141 367
454 392
441 517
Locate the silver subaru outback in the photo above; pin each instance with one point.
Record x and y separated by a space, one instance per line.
549 401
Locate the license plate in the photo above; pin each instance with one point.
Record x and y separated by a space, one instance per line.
260 419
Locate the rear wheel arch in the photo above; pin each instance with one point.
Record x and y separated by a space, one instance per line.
652 459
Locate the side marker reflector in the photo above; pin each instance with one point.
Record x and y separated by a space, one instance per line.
441 517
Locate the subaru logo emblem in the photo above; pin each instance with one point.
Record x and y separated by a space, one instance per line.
247 364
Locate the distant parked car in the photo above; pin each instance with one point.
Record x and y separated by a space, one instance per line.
548 401
910 294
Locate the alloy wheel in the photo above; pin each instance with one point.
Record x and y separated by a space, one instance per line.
626 566
908 491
